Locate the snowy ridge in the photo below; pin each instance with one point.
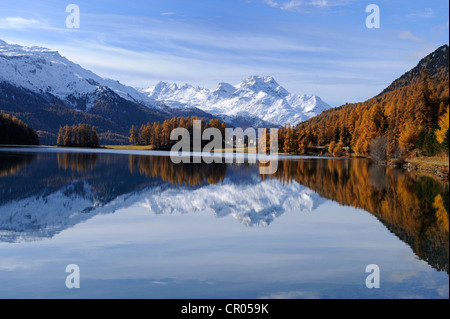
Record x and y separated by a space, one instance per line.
255 101
256 96
257 203
45 71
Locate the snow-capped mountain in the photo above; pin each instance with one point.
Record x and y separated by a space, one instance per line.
257 96
46 90
45 71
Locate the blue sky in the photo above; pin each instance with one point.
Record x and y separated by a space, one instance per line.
320 47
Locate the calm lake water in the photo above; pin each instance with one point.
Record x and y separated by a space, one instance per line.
139 226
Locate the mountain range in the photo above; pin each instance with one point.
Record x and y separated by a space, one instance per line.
46 90
257 97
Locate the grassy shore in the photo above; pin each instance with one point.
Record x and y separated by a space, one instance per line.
436 165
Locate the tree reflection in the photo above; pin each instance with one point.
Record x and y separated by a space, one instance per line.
80 162
192 174
414 208
12 163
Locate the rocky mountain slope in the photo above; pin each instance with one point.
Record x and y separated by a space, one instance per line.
259 97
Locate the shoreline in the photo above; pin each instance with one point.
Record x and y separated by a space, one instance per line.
424 166
437 167
436 170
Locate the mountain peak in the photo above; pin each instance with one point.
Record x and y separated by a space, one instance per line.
253 80
42 70
266 84
162 86
224 89
18 50
258 98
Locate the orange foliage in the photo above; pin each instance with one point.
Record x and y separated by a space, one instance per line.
399 115
410 206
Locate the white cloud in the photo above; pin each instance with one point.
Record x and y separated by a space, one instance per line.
20 23
140 51
196 40
172 14
425 13
13 265
407 35
299 5
272 3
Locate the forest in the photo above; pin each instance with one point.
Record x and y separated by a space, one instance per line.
413 118
80 135
409 118
158 135
14 131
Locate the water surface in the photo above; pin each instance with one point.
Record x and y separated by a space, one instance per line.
139 226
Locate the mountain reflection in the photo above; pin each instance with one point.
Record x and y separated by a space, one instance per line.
80 185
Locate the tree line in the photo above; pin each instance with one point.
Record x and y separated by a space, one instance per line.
158 135
411 118
14 131
80 135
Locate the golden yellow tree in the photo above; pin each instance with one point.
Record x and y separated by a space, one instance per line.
339 149
408 136
331 147
443 127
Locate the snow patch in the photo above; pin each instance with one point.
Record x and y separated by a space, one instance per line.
256 96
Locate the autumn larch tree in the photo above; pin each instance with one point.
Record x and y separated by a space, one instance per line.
134 135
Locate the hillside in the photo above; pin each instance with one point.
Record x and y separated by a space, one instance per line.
409 114
15 132
46 90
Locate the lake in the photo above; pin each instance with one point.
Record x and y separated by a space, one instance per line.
139 226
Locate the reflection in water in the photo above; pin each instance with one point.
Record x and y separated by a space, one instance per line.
80 162
192 174
414 208
11 163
